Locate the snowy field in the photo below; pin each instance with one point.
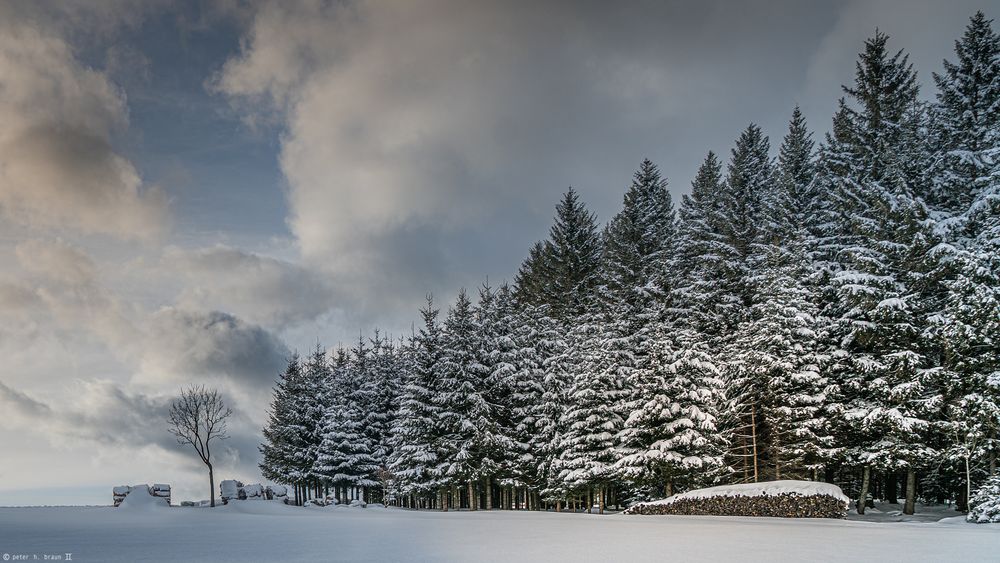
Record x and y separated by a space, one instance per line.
269 531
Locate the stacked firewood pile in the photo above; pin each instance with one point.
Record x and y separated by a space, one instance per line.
158 490
161 490
119 493
785 505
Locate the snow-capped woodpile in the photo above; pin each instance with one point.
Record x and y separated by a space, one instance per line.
119 493
231 489
780 499
160 490
157 491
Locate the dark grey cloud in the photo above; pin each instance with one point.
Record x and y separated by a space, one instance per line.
106 416
183 345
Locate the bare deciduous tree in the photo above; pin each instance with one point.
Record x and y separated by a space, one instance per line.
197 417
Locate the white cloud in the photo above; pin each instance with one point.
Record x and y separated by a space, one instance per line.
260 289
58 169
425 144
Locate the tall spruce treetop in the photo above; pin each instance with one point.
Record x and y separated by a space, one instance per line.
969 117
639 243
563 272
797 173
696 243
737 220
885 89
532 276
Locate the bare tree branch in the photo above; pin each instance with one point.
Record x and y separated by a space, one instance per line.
196 418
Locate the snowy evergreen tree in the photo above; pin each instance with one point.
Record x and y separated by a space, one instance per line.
778 393
344 459
639 243
281 439
671 438
468 430
593 415
883 282
386 377
985 505
416 430
968 198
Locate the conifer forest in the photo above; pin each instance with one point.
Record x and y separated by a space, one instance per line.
818 307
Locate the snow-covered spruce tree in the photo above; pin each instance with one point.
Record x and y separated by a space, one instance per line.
553 347
464 415
385 369
984 506
778 379
496 353
280 437
344 459
671 437
593 415
312 410
739 227
532 277
967 196
639 243
636 277
776 393
883 282
532 419
515 394
416 430
737 218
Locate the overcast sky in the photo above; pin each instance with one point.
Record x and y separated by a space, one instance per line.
191 191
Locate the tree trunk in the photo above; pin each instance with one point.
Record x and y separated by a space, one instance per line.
753 434
775 449
911 491
891 488
558 506
473 501
600 500
668 488
865 481
211 484
489 494
590 500
968 485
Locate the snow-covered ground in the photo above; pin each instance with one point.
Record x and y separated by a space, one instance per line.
269 531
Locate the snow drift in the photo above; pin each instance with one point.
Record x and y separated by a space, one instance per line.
140 498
